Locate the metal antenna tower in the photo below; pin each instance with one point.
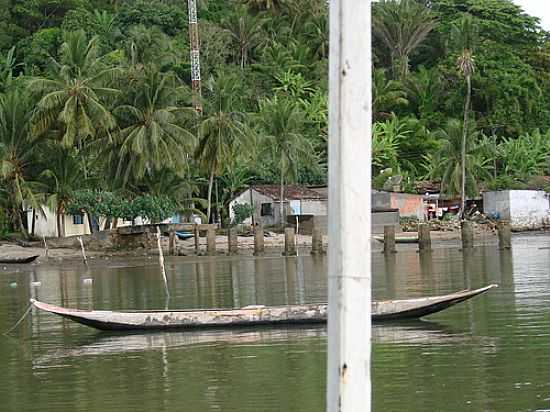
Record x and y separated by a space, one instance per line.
195 54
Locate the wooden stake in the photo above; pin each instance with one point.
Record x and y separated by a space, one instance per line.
161 263
83 251
45 245
350 112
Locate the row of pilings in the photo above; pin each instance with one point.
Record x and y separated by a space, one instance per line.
317 247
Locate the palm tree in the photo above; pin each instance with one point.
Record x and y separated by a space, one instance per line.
221 129
18 154
464 35
245 31
73 102
401 26
387 95
152 136
449 157
62 175
282 126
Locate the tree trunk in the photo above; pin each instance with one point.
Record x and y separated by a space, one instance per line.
58 224
33 226
281 202
464 136
210 185
90 222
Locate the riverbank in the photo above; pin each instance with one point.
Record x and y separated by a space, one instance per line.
274 244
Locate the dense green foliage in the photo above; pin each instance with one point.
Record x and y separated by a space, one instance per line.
95 96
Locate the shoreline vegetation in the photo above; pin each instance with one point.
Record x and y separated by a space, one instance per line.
97 117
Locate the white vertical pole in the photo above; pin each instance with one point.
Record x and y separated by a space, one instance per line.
349 313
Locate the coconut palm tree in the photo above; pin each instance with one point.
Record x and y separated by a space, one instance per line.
449 158
18 154
387 95
282 127
221 130
152 135
401 26
61 176
73 101
464 35
246 32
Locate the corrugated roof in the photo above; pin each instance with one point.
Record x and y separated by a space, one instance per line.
292 192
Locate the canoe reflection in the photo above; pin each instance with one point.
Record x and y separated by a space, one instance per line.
414 333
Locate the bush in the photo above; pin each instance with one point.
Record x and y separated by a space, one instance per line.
242 211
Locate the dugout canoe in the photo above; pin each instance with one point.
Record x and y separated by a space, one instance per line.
18 260
251 315
399 239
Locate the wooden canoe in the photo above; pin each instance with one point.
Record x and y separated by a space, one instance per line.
184 235
399 239
18 260
251 315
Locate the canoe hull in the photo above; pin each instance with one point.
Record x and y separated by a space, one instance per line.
404 239
18 260
252 316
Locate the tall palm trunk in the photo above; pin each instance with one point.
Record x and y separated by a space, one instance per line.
281 198
210 185
464 136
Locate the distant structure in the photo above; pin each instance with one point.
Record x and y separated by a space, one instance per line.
195 54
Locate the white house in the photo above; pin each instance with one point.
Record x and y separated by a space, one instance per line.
524 209
297 200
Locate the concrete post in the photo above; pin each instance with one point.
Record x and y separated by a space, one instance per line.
424 237
232 241
467 232
211 241
172 243
258 240
317 241
504 235
389 239
290 245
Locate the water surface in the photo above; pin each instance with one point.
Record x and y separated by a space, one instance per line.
489 354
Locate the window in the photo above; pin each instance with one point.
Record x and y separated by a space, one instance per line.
267 209
78 219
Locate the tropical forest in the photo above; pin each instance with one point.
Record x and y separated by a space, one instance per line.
97 111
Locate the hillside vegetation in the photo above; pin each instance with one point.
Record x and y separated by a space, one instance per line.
96 113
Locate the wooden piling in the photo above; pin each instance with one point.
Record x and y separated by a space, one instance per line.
290 242
83 251
161 263
211 241
258 240
424 237
317 241
232 241
172 243
504 235
389 239
467 233
197 238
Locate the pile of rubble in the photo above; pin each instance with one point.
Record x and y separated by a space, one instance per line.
481 224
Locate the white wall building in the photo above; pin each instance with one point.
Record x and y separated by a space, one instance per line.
525 209
298 200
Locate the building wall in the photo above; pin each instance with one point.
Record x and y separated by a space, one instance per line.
314 207
46 224
525 209
409 205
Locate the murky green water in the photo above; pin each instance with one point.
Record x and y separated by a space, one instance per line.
490 354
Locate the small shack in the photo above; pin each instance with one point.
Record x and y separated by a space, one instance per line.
524 209
297 200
